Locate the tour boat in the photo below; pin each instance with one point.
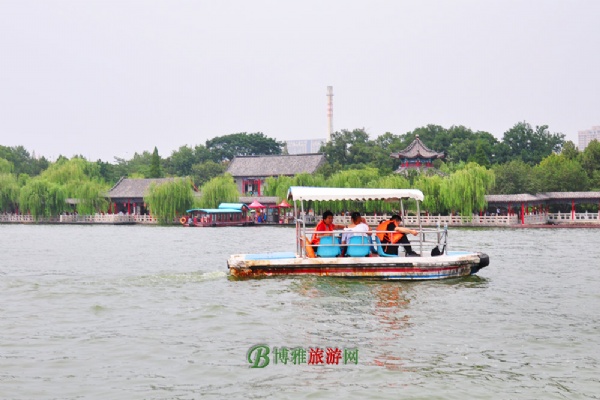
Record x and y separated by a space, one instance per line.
227 214
364 256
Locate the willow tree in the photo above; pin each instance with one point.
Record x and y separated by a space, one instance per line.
169 200
81 180
9 192
42 198
278 186
90 197
431 187
464 190
221 189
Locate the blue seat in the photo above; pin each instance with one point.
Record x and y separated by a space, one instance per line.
328 248
358 246
380 249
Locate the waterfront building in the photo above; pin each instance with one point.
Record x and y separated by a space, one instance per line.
250 172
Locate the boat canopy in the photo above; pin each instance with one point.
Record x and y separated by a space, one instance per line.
360 194
235 206
215 210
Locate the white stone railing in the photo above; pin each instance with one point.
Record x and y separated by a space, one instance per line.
82 219
372 220
579 217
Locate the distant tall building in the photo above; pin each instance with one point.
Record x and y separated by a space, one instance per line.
585 137
304 146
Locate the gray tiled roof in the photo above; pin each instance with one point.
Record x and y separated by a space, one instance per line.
261 199
262 166
543 197
133 188
417 150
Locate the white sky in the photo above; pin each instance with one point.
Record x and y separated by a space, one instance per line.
111 78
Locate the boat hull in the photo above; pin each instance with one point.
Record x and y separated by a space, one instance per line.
452 265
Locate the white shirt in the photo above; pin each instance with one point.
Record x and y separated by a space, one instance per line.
359 230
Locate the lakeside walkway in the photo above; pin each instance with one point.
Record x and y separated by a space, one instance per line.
532 220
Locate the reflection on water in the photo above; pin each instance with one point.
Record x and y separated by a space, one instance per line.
146 312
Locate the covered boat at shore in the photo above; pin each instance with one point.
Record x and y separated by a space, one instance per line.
228 214
364 256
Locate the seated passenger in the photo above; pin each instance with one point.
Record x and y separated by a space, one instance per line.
357 228
325 225
395 234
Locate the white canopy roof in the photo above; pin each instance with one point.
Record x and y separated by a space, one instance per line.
361 194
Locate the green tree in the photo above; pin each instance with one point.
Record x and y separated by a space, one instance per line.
169 200
9 191
431 186
570 151
6 166
23 162
559 174
204 172
351 149
464 191
530 145
590 161
155 170
221 189
224 148
42 198
513 178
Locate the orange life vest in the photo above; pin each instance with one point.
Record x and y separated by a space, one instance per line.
388 237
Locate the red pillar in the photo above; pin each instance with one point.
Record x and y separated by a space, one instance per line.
572 210
258 188
522 214
128 207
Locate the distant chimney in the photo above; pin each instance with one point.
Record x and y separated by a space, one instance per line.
329 112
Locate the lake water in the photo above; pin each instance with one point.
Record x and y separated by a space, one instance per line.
137 312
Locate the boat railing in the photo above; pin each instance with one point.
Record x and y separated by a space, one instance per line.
426 239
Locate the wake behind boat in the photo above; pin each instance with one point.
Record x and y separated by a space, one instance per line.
364 254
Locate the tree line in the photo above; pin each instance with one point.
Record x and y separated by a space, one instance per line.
526 160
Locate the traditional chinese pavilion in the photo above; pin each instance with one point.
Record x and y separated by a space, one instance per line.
416 156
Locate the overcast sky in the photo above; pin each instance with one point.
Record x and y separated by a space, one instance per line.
111 78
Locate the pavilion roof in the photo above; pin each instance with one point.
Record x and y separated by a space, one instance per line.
263 166
417 150
546 197
127 188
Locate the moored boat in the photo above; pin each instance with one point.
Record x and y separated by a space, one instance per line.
364 256
227 214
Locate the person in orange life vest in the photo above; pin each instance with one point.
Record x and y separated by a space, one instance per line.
325 225
397 234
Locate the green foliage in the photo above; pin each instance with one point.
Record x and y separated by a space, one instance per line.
590 161
23 162
9 192
90 197
42 198
155 170
559 174
221 189
514 177
6 166
224 148
278 186
570 151
169 200
431 186
75 178
205 171
530 145
464 191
